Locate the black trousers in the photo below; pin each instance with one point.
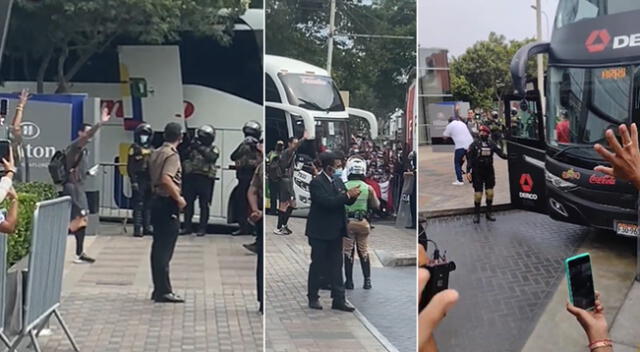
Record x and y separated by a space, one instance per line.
242 204
200 187
326 259
142 207
259 271
274 195
166 225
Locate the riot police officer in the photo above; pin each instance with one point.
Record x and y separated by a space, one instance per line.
358 227
199 167
480 170
138 170
246 158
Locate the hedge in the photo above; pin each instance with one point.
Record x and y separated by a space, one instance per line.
29 194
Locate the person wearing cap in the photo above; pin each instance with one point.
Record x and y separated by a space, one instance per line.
480 171
166 180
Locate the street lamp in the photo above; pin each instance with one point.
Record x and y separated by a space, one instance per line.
538 8
546 17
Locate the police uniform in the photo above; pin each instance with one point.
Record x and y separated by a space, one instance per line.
480 165
164 216
200 175
358 228
246 158
138 170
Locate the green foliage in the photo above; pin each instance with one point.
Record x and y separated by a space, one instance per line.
481 75
374 69
66 33
29 194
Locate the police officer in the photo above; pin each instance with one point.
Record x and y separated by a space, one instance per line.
496 127
358 227
199 176
138 170
480 170
246 158
166 180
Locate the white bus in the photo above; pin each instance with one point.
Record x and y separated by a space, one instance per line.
301 97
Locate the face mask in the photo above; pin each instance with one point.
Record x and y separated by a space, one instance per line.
144 139
338 173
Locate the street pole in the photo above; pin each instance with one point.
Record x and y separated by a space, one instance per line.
332 29
540 57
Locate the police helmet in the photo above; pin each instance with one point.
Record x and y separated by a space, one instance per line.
206 135
143 129
356 166
252 129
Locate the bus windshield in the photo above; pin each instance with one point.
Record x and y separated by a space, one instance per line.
572 11
331 136
584 103
312 92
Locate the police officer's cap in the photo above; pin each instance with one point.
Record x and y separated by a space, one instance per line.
253 129
172 132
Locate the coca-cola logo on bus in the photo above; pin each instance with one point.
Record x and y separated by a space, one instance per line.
602 180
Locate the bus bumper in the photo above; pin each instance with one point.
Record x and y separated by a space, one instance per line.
564 206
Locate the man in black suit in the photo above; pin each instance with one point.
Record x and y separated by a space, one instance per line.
326 226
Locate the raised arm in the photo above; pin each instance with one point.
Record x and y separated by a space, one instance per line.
82 141
17 119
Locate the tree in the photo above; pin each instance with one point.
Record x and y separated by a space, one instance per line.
64 34
482 74
374 47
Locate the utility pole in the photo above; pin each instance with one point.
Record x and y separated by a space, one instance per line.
540 57
332 30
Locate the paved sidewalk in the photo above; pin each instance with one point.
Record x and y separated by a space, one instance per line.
107 305
291 325
436 193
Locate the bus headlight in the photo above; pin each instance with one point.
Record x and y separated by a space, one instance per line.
558 182
303 185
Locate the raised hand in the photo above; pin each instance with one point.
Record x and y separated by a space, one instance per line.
24 97
105 115
625 158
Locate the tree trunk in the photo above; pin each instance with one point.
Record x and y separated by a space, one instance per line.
62 82
44 63
25 67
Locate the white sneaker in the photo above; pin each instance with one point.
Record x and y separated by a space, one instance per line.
458 183
77 260
280 232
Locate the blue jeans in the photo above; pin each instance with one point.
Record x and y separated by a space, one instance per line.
457 162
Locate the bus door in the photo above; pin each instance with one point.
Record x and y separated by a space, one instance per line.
526 152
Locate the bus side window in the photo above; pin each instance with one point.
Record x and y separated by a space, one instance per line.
271 91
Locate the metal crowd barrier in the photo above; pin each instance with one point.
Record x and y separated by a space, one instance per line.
404 217
115 194
46 266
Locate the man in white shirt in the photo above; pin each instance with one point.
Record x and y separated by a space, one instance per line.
458 131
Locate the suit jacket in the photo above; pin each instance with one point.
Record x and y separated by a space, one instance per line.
327 217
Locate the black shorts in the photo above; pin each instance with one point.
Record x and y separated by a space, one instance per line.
286 190
483 179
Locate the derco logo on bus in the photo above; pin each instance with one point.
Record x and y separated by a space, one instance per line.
600 39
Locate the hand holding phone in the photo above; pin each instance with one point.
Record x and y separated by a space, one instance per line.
580 281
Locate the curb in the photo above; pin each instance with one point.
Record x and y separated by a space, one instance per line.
375 332
388 259
459 211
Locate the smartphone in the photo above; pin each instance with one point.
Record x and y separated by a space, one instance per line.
4 149
580 281
3 107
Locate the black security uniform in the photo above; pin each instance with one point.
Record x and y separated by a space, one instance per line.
246 158
164 216
326 227
138 171
480 165
199 176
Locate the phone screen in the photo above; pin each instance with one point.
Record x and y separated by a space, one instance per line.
3 107
4 149
581 282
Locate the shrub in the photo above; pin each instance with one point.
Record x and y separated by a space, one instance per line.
29 194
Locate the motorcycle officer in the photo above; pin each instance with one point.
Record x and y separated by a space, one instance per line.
199 168
480 171
358 227
138 170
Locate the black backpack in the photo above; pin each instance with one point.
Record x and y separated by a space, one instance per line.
58 167
275 171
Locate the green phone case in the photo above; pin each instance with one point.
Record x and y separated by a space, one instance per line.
566 271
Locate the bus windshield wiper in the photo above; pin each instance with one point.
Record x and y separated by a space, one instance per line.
569 147
311 104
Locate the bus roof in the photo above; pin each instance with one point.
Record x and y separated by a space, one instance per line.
275 64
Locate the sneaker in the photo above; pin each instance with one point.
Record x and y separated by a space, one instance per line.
251 247
287 229
280 232
85 258
458 183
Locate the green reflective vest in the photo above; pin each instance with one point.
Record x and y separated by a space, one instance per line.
361 206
